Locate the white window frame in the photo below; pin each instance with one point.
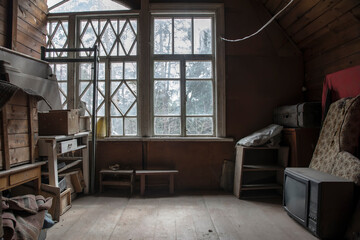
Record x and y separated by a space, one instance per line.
144 115
194 10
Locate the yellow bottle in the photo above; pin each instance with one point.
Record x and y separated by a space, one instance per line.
101 128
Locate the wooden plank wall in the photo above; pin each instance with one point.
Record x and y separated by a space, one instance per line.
3 20
326 31
31 26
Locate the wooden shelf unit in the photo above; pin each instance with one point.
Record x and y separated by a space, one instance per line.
49 147
259 169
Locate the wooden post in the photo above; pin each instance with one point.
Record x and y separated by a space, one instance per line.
31 129
52 163
5 141
142 184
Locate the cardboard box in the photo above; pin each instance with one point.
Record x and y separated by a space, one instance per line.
59 122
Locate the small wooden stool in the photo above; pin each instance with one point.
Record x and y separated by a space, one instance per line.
129 181
143 173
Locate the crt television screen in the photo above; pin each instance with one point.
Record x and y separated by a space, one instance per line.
295 197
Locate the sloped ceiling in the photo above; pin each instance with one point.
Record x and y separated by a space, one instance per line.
326 31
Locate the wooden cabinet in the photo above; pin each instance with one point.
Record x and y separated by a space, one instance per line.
73 150
259 170
302 142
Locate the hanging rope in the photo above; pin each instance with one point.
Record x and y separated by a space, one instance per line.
262 28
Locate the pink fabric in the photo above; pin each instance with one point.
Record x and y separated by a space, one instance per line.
345 83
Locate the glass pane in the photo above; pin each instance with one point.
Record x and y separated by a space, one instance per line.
108 38
127 38
89 37
164 69
134 24
133 86
101 88
101 71
167 125
199 126
114 111
116 70
87 96
133 111
123 98
59 38
163 36
88 6
167 98
130 126
202 36
134 50
199 70
85 71
113 86
182 36
117 127
101 111
61 71
62 98
199 98
130 70
63 88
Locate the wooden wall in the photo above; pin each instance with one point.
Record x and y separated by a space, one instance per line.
261 74
3 23
326 31
30 31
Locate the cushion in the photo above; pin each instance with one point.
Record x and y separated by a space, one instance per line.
261 136
347 166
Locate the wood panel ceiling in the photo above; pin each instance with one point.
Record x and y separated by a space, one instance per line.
326 31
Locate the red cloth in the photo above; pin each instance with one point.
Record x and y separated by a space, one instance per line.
345 83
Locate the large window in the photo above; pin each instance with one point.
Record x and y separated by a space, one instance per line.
176 92
183 76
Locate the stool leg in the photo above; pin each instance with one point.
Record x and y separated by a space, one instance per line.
142 185
171 183
100 182
131 184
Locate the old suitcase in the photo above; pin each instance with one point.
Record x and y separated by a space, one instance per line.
59 122
300 115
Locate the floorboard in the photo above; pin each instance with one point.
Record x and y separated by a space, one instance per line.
183 217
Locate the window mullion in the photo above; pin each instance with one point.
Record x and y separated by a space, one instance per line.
107 96
183 97
72 101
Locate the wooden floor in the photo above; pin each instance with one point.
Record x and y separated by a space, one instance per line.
178 217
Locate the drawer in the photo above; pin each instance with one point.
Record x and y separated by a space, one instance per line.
4 182
25 176
67 146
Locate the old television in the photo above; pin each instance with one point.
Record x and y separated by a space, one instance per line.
320 202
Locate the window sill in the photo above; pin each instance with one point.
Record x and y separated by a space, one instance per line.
165 139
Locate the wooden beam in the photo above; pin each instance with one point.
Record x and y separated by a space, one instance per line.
12 24
5 141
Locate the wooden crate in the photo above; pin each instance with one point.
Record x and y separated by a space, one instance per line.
84 124
18 131
65 201
59 122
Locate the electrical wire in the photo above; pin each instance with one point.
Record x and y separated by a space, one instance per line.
262 28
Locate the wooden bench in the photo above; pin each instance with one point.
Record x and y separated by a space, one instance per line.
144 173
126 178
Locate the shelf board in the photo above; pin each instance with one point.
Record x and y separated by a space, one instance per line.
116 183
260 186
72 150
70 165
251 168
